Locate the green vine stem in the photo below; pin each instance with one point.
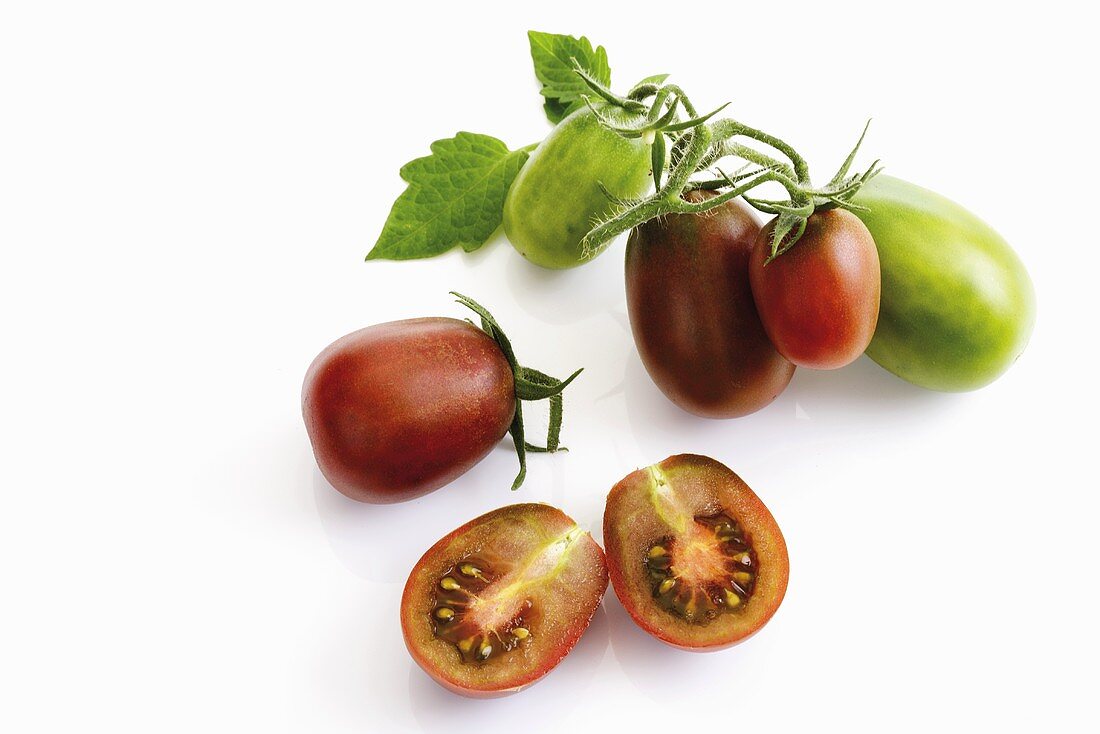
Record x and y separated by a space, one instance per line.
685 148
530 385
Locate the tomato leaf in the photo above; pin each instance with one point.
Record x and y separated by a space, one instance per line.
562 89
455 197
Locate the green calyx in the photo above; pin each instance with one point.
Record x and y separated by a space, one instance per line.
687 150
530 385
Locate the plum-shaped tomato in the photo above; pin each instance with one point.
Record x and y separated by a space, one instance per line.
496 604
399 409
692 312
694 555
819 299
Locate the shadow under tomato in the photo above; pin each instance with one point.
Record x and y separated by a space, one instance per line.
838 405
567 296
664 673
383 542
542 707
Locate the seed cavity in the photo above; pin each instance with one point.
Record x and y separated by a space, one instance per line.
459 587
716 574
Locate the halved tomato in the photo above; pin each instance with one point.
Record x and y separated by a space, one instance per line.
694 555
497 603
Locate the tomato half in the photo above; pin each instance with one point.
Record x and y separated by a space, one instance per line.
496 604
694 555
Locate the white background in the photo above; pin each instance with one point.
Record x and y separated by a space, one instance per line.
187 191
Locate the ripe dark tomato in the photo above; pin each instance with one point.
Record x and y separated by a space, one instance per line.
496 604
694 555
693 316
819 299
399 409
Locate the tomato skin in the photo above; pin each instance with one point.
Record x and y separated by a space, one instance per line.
399 409
692 312
556 197
957 305
819 300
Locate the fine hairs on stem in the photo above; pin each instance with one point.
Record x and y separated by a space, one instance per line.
686 147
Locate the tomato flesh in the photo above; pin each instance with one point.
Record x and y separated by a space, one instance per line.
497 603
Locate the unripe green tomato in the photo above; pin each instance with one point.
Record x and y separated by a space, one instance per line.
556 198
957 306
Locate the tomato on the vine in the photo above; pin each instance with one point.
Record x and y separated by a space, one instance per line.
819 299
569 182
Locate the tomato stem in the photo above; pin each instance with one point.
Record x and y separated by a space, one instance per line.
695 145
530 385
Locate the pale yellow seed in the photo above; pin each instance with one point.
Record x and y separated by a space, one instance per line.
466 645
445 613
520 633
742 577
485 651
469 569
666 586
657 551
448 583
732 599
744 559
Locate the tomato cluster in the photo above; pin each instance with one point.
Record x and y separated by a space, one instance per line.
720 329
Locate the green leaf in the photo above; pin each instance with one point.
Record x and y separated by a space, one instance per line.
455 197
655 79
553 55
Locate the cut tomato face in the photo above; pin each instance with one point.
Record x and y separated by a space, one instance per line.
497 603
694 555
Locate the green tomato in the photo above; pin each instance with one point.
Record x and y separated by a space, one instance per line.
957 305
556 197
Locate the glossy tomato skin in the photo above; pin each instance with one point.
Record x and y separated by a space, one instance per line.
399 409
819 300
692 313
957 305
556 197
660 505
561 575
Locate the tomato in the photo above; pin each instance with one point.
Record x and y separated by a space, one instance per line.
819 300
556 197
957 304
497 603
692 312
694 555
399 409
